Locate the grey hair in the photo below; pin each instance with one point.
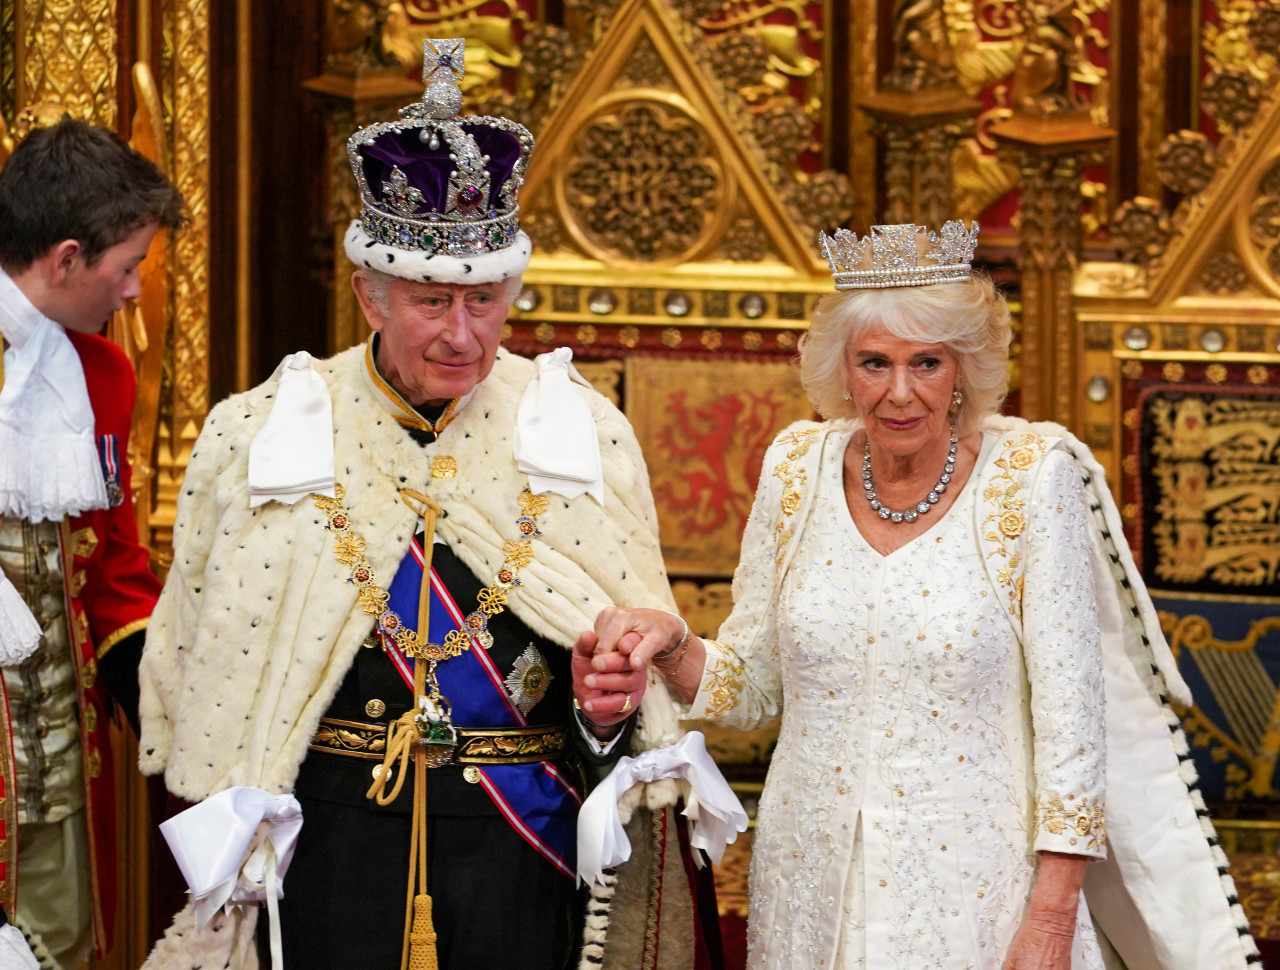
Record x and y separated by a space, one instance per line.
378 287
971 319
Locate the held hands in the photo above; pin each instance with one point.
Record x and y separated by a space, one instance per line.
610 663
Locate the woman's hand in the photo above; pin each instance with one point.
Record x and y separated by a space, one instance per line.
1044 940
610 663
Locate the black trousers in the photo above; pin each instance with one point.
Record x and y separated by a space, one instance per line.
496 902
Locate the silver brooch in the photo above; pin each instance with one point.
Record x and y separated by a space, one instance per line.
529 679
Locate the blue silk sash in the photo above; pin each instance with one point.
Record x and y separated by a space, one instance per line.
536 799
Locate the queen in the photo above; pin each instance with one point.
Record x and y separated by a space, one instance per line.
976 766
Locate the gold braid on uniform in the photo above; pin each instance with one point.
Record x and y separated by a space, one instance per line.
419 947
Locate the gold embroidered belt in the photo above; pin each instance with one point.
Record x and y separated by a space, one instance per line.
476 746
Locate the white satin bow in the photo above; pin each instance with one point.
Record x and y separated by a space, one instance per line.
292 456
714 812
556 442
209 841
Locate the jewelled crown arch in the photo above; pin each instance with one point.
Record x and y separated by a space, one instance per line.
901 255
428 205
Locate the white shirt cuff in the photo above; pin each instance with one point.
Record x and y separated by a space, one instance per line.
600 748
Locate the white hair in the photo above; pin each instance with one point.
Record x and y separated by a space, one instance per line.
971 319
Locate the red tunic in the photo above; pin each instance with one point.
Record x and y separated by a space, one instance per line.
110 595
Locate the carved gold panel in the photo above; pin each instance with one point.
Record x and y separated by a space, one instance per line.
68 58
186 23
643 181
704 426
604 376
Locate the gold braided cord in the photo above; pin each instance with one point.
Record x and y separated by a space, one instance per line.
404 738
419 946
422 941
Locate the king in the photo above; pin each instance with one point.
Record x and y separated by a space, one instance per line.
381 564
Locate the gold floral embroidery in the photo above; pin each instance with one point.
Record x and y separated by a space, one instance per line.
1080 819
724 683
1012 524
795 481
1022 458
1008 519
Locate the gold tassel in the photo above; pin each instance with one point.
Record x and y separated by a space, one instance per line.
422 938
419 946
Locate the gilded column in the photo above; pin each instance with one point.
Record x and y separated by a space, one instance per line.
862 77
1051 138
67 57
919 113
1153 55
186 93
919 131
1051 155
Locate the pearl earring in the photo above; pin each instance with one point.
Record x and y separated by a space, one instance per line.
957 399
848 396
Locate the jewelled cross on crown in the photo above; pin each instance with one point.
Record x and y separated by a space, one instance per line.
449 55
399 196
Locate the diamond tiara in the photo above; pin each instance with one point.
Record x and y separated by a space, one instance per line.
903 255
454 212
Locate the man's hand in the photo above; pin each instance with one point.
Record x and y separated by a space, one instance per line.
610 663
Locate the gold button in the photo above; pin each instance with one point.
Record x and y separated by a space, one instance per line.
375 708
944 848
884 882
378 770
472 774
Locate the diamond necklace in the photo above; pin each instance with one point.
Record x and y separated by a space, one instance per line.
910 515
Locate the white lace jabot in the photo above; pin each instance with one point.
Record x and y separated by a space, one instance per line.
49 465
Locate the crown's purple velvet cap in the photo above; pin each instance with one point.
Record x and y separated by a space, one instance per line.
428 170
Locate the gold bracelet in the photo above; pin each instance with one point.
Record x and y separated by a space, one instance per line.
677 652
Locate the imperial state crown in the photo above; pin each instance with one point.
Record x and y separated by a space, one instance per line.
439 194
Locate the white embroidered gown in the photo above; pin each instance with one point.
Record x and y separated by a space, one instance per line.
924 755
